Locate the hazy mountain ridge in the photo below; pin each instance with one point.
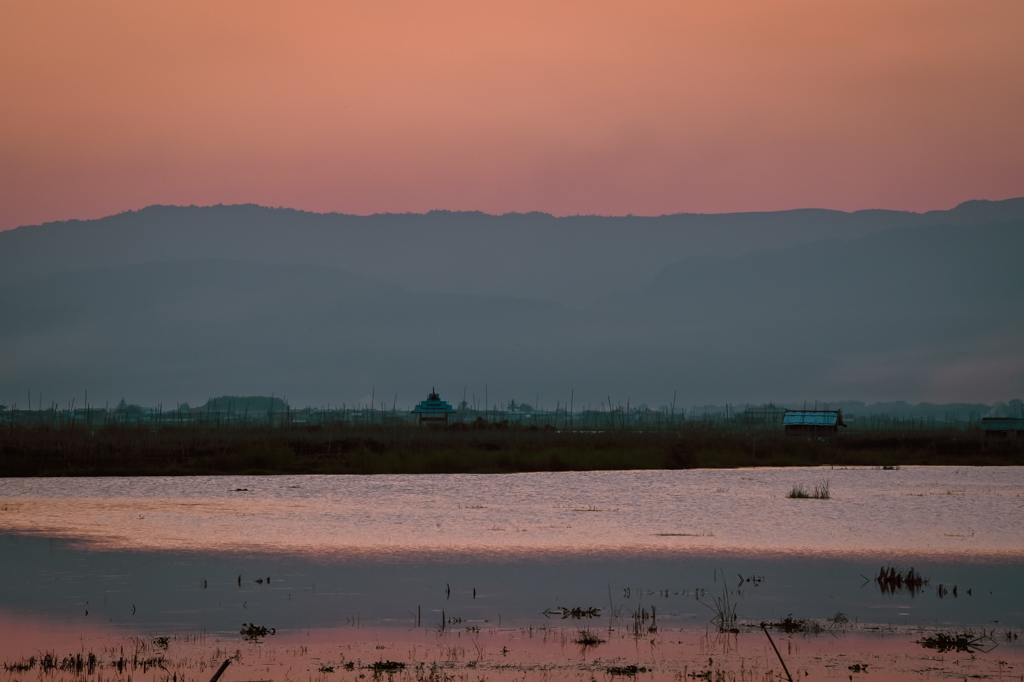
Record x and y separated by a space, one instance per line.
908 313
904 409
575 260
898 271
174 329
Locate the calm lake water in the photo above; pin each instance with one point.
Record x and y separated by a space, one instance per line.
183 554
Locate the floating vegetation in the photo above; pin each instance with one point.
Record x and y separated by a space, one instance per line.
576 613
122 663
428 660
965 642
252 632
789 625
822 491
586 638
891 580
21 666
625 670
161 642
76 663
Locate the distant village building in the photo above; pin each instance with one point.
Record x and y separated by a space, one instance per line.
433 410
1002 426
812 422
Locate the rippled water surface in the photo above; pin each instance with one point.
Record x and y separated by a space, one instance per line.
975 512
191 553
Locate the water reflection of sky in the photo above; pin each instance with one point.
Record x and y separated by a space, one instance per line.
166 554
190 591
506 654
935 510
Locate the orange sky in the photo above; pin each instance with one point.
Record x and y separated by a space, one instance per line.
560 106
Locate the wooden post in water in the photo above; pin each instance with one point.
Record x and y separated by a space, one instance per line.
220 670
776 652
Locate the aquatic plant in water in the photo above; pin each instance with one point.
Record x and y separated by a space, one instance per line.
586 638
725 612
252 632
625 670
789 625
891 579
965 642
822 491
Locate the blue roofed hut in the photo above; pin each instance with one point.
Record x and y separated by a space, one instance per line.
812 422
433 410
1002 427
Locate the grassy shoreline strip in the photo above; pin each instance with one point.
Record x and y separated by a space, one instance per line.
135 451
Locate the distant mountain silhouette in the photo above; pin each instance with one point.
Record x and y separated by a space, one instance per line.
886 310
574 260
905 313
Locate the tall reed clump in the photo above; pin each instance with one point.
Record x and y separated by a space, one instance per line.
822 491
725 612
892 580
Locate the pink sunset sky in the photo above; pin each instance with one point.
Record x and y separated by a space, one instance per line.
559 106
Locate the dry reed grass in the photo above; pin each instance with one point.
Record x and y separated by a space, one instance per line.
194 449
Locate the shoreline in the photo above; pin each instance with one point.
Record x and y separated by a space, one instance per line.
129 450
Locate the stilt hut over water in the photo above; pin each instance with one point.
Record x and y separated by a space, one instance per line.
813 422
433 410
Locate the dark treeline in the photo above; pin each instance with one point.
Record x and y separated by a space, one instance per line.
482 447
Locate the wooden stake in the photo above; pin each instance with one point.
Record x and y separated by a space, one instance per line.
777 653
220 671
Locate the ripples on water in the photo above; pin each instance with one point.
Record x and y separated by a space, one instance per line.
926 510
378 548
